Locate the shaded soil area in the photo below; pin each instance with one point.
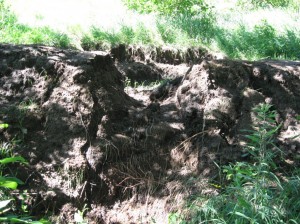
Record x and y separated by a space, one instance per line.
133 133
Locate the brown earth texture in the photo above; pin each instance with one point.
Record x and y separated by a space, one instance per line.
133 133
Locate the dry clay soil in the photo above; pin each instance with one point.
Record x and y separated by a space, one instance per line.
96 132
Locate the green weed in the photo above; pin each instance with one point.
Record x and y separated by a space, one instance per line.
254 193
10 211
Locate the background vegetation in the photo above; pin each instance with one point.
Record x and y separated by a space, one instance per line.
237 28
11 31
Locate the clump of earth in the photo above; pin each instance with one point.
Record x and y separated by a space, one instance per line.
132 133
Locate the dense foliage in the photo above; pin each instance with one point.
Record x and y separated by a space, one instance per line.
174 7
274 3
168 7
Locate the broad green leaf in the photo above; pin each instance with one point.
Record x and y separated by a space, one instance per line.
10 182
12 160
4 125
42 221
8 218
17 180
26 219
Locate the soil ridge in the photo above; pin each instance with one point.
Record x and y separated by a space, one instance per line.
94 131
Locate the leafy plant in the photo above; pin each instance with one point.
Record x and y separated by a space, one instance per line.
6 16
254 193
8 211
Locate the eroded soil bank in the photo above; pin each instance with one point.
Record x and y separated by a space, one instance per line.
97 131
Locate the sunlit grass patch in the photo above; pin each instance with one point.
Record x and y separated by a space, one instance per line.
21 34
262 41
231 27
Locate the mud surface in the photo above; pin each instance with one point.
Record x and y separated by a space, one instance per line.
97 131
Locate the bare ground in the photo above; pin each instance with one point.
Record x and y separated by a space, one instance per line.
134 153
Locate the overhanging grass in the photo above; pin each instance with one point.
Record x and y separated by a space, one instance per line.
98 38
21 34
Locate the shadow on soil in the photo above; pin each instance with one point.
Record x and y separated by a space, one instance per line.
143 150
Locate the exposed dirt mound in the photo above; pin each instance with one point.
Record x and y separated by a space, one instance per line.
166 55
133 155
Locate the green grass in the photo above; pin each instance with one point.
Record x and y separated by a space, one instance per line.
263 37
98 38
13 32
21 34
240 34
239 29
